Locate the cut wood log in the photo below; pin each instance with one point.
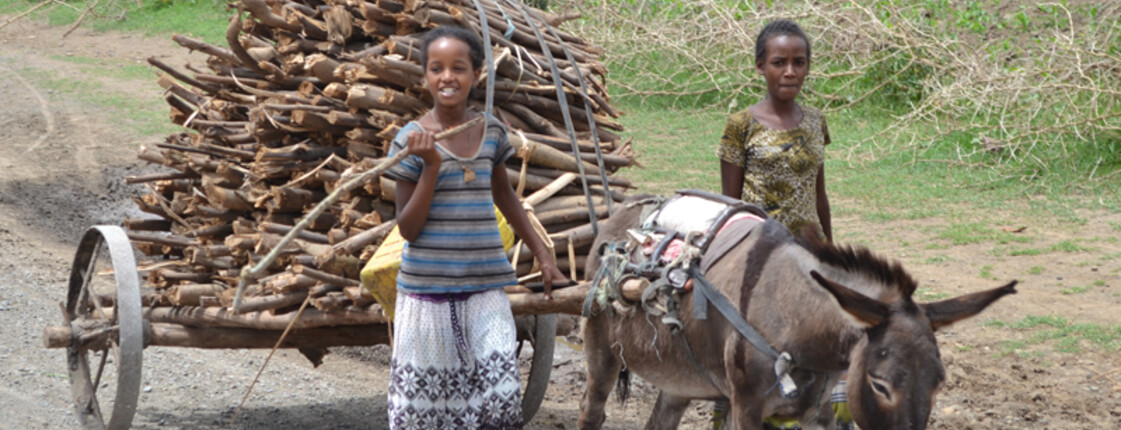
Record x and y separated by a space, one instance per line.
147 224
281 229
613 181
189 294
222 317
273 301
356 243
212 50
325 277
574 214
567 300
547 156
287 282
365 96
359 296
210 88
208 337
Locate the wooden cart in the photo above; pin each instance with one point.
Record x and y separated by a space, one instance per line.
109 320
107 325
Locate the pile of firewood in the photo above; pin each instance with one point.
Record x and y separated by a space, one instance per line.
309 92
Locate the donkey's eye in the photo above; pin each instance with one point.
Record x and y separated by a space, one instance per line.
880 387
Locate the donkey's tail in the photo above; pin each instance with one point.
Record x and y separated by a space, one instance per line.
623 385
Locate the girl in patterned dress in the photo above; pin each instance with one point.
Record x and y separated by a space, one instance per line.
454 364
773 153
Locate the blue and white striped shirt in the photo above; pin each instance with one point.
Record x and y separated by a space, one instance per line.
459 249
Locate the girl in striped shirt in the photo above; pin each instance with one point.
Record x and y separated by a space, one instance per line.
454 363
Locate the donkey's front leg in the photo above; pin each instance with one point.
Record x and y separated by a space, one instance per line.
603 370
744 367
819 416
667 413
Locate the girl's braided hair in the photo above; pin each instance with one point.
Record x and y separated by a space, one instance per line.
782 27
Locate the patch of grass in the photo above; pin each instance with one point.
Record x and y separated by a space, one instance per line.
1074 290
938 259
115 69
880 216
936 246
202 19
1069 246
1037 320
1066 245
1036 270
1025 252
979 232
133 112
1062 334
677 150
994 323
967 233
1018 348
987 272
1115 225
927 295
1014 238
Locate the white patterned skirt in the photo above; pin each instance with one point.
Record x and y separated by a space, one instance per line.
454 363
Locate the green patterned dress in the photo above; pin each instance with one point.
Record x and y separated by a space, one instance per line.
780 167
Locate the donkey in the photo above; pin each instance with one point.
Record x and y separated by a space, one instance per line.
831 308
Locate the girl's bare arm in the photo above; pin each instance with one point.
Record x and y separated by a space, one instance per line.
823 213
731 180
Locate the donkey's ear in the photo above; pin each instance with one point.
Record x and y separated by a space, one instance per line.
867 312
949 311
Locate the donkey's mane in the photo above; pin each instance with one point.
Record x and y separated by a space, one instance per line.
861 260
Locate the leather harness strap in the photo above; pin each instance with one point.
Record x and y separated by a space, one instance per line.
701 288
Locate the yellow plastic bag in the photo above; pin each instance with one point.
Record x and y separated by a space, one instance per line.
379 276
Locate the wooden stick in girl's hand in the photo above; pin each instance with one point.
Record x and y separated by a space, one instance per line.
252 274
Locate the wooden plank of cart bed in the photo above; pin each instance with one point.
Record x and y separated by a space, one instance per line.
177 335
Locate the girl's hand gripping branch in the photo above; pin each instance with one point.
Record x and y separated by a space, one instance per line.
423 145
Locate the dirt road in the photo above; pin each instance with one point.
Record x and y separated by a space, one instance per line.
62 160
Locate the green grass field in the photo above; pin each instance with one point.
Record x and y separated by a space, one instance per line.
203 19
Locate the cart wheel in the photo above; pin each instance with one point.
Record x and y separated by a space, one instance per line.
544 342
92 297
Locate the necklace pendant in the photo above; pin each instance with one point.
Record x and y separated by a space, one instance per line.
468 174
